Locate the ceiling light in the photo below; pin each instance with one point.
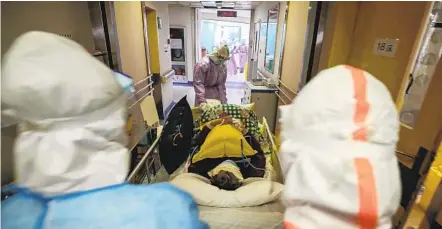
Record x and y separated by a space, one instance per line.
209 4
228 5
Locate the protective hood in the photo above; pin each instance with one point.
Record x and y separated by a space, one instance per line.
338 153
72 113
220 55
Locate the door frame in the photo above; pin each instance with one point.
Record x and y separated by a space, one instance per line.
144 9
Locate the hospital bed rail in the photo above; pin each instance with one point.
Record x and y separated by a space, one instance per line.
140 90
274 147
144 169
148 166
137 124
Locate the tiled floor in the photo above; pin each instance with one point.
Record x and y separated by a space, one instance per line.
235 92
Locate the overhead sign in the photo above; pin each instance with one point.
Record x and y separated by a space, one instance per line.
386 47
224 13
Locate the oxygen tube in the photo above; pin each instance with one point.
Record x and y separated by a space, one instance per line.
245 160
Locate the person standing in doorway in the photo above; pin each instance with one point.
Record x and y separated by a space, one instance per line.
233 63
210 75
243 51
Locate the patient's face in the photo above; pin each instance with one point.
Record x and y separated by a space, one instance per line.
225 180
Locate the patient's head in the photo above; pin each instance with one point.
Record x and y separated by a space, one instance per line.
226 175
225 180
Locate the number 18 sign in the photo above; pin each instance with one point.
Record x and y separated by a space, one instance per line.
386 47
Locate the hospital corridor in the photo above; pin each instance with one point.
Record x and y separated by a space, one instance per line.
221 114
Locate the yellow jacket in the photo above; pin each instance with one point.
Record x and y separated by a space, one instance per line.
224 141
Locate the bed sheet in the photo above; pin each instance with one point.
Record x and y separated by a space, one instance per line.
267 216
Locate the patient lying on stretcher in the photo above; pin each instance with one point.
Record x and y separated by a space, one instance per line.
226 153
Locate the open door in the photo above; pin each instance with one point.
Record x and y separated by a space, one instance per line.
150 33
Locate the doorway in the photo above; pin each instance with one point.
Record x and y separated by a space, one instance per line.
215 31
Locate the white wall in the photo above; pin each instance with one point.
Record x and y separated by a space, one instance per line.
55 17
181 16
260 15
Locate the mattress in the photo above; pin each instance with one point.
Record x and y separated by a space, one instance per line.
267 216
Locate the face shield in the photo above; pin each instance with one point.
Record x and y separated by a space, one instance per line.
10 118
125 82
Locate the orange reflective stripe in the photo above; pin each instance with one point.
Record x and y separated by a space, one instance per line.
362 106
288 225
367 217
368 202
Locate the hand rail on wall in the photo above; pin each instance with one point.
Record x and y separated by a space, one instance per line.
165 77
405 154
280 98
290 90
144 88
149 77
144 96
168 74
279 90
135 95
262 76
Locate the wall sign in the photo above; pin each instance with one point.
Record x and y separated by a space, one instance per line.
176 44
385 47
226 13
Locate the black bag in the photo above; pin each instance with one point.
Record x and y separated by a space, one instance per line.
176 137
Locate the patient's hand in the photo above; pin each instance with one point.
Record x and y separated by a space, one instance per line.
221 121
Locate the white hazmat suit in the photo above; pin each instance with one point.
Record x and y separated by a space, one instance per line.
338 153
70 155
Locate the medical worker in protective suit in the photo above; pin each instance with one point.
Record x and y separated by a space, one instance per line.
210 75
338 153
70 156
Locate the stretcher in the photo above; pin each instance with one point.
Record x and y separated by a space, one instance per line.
269 215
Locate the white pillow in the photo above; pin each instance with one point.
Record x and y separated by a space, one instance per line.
253 192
